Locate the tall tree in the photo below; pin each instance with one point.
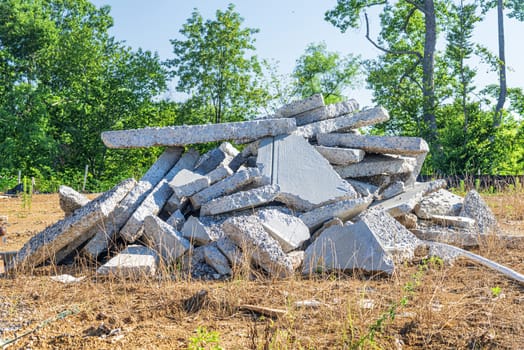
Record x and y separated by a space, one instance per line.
213 67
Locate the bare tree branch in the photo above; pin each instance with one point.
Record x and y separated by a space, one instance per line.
408 17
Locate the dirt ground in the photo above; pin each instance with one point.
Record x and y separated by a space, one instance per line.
424 305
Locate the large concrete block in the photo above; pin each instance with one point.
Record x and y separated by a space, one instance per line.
164 239
341 156
193 134
300 106
474 207
196 232
186 183
248 233
224 187
296 167
70 200
75 228
241 200
217 260
287 229
133 262
353 121
377 165
156 199
441 202
326 112
230 250
343 210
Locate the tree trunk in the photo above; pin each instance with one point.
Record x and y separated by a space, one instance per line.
497 119
428 67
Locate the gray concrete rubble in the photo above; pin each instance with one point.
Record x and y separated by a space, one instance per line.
363 189
461 237
441 202
186 183
193 134
230 250
287 229
177 220
392 190
404 203
344 210
296 167
326 112
133 262
406 146
454 221
220 173
241 200
300 106
341 156
210 160
227 186
248 234
332 222
297 258
347 122
156 199
164 239
70 200
217 260
474 207
375 164
54 238
196 232
408 220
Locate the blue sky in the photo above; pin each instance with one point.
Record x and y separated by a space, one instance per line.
286 28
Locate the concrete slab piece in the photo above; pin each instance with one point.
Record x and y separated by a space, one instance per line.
217 260
224 187
133 262
164 239
363 188
176 220
287 229
248 234
196 232
441 202
156 199
70 200
353 121
193 134
392 190
474 207
326 112
404 203
47 243
186 183
218 174
300 106
454 221
343 210
376 165
230 250
296 167
210 160
241 200
341 156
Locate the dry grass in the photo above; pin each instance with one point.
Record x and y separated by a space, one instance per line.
462 306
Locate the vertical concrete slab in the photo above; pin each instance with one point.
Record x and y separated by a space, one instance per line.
474 207
217 260
164 239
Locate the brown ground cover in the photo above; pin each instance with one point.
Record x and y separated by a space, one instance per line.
422 306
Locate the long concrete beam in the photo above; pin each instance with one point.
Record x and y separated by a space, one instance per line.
192 134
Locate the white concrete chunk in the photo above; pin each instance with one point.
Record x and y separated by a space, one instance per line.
241 200
248 234
186 183
392 190
343 210
217 260
341 156
218 174
287 229
164 239
300 106
474 207
47 243
196 232
326 112
133 262
296 167
230 250
193 134
70 200
454 221
353 121
377 165
405 202
441 202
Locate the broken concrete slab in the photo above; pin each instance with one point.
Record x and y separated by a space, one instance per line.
404 203
344 210
196 232
135 261
164 239
217 260
70 200
296 167
193 134
44 245
408 220
175 203
454 221
241 200
176 220
230 250
341 156
224 187
249 150
441 202
210 160
300 106
374 164
392 190
333 222
296 257
353 121
186 183
474 207
363 189
248 234
156 199
326 112
218 174
287 229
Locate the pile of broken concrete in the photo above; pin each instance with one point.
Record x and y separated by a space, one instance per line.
306 192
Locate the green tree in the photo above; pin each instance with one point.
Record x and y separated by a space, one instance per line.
321 71
213 68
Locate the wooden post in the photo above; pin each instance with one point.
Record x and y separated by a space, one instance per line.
85 178
19 177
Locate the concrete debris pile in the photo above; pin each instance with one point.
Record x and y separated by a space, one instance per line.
306 192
